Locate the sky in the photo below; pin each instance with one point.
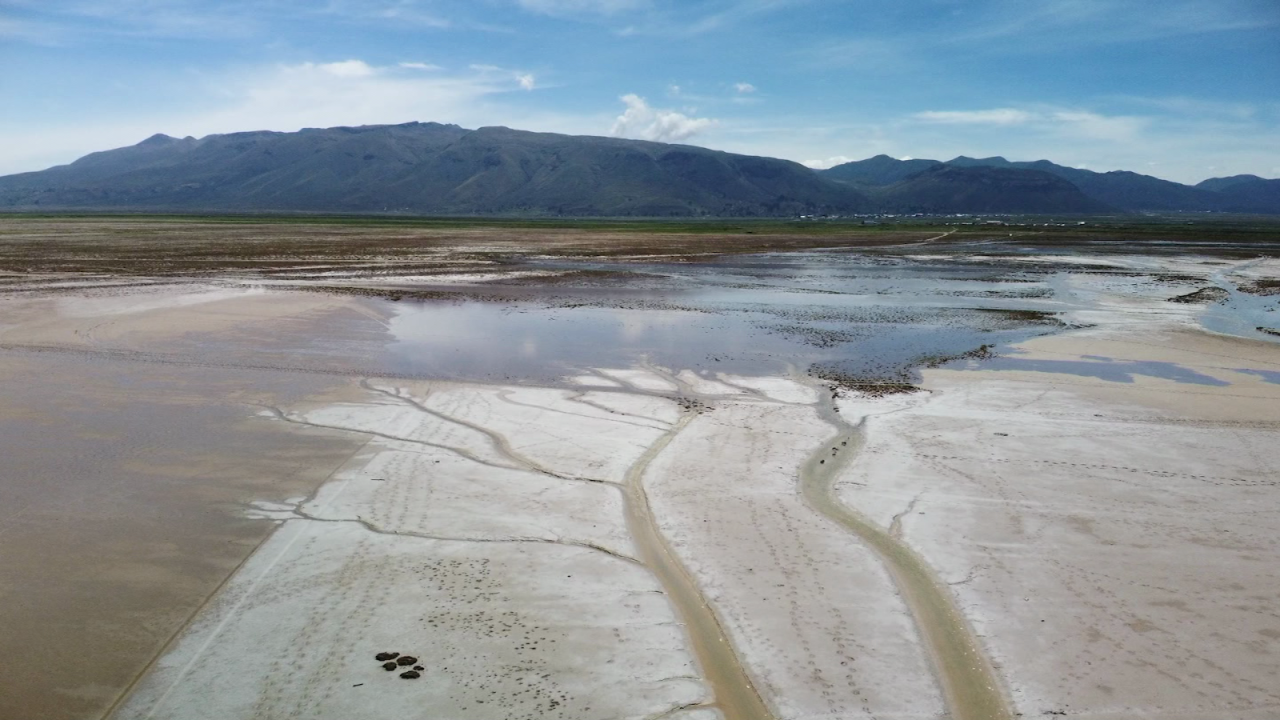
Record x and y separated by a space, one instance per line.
1179 89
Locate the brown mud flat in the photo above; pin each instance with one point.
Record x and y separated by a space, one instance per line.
1202 296
301 247
200 248
124 496
1266 286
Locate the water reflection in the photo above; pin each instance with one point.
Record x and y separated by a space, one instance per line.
1109 369
1270 376
527 340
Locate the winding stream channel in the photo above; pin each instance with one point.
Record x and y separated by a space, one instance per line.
969 683
735 695
970 686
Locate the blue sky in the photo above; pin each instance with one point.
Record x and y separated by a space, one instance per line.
1181 89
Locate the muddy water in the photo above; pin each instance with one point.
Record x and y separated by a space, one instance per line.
735 694
121 512
969 683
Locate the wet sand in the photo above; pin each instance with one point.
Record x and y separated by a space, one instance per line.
125 490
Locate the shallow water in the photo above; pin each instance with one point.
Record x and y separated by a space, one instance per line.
1241 313
866 317
1105 368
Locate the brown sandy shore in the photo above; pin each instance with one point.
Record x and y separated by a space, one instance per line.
125 485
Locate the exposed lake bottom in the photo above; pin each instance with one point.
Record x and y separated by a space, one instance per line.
669 493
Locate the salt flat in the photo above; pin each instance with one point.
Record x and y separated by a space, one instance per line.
1112 541
813 613
512 582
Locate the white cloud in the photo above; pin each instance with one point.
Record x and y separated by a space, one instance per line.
419 66
523 80
344 69
826 162
998 116
351 92
744 87
662 125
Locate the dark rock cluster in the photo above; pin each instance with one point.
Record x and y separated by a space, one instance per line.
392 661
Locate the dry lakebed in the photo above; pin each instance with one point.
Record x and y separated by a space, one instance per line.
340 470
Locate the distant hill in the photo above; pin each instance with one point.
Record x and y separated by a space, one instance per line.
879 170
1123 190
945 188
429 168
426 168
1248 193
1222 183
1118 188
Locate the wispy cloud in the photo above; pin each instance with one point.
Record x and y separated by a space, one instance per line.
997 116
1191 107
744 87
80 19
288 97
562 8
401 12
1052 24
28 31
1080 123
522 79
648 123
861 53
690 19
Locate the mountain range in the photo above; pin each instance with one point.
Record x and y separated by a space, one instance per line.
430 168
1120 189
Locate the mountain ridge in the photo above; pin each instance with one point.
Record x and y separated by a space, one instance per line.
434 168
1121 189
431 168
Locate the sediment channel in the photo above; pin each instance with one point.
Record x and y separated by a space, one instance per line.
735 694
969 683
